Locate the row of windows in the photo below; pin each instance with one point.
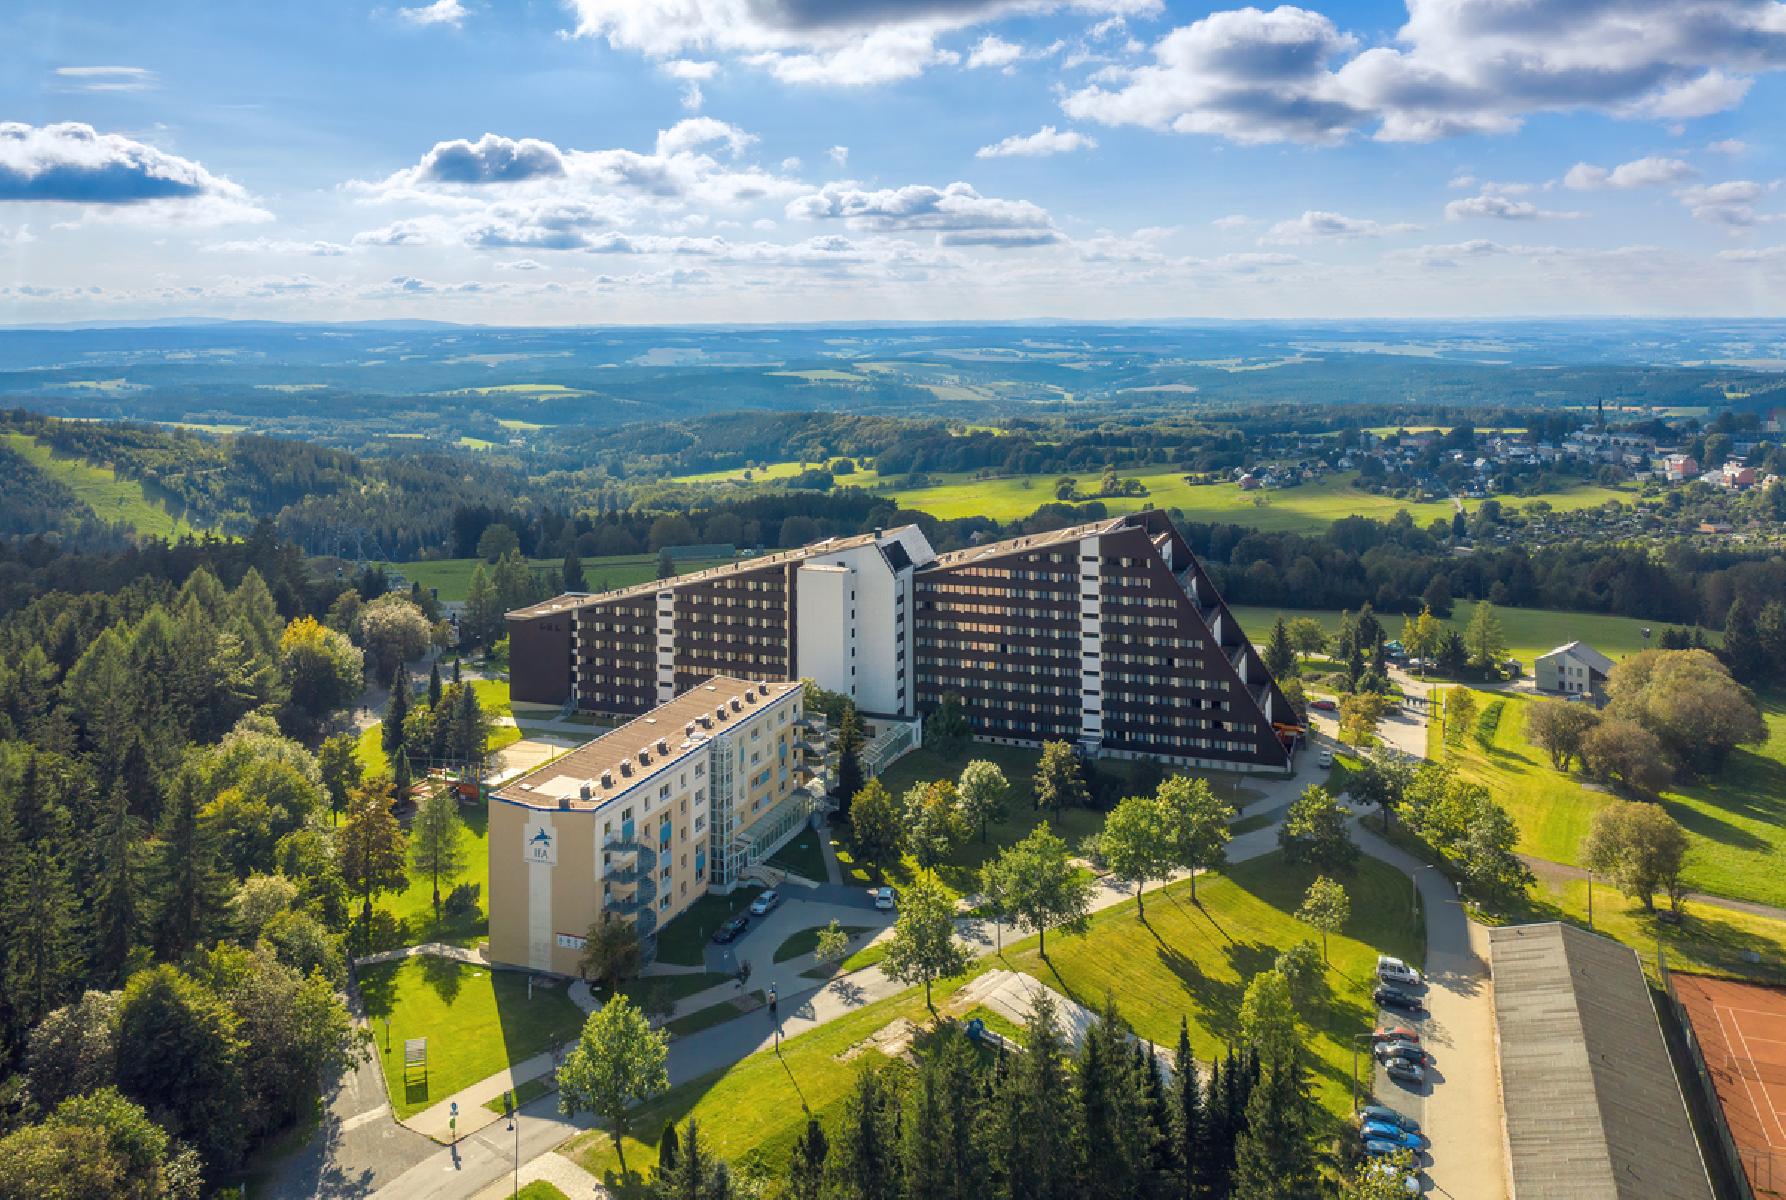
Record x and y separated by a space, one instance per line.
945 590
1195 743
1008 611
1006 667
1159 700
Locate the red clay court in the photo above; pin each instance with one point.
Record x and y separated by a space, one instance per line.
1741 1030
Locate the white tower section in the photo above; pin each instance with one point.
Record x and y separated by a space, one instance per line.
853 620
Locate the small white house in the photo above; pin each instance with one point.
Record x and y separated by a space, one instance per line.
1575 669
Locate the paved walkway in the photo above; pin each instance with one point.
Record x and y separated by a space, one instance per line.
431 949
1556 872
555 1169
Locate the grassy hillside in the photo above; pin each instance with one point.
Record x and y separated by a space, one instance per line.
1309 507
453 575
100 488
1736 821
1530 631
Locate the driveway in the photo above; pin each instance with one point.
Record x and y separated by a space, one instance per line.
1459 1105
800 908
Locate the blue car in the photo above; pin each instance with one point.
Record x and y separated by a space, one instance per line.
1378 1114
1376 1147
1375 1131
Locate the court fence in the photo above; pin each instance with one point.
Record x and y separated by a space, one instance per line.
1755 1171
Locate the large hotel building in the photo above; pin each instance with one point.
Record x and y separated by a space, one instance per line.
1107 635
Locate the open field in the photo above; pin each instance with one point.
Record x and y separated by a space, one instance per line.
1736 822
111 497
1186 960
477 1023
765 473
413 907
492 694
1530 631
453 575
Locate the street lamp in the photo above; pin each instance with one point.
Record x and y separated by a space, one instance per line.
1414 882
775 1015
1591 895
514 1126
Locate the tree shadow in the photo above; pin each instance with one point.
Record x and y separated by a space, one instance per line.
444 975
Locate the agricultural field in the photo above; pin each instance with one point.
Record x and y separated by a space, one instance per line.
1530 631
1736 821
110 496
453 575
1186 960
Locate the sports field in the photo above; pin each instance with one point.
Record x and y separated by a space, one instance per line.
1741 1031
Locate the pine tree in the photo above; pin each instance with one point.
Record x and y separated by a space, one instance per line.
865 1158
1035 1148
1743 651
137 775
395 713
1275 1157
1280 655
695 1175
1159 1112
189 894
434 684
401 777
666 1149
806 1167
849 759
116 904
436 840
457 663
1116 1129
1188 1124
573 578
1770 630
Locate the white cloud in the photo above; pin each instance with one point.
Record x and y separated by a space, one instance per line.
1653 171
839 154
115 177
1234 221
109 79
1456 66
1501 207
1728 146
1730 204
286 246
689 69
994 51
1317 226
1045 141
441 12
695 132
958 214
831 42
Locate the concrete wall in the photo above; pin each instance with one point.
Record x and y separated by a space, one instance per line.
540 658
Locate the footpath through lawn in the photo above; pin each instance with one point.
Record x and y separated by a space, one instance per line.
1185 959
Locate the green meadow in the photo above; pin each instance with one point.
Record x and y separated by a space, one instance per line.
111 497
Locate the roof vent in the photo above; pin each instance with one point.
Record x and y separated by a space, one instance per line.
706 721
644 758
720 712
607 779
688 729
626 767
737 704
564 802
663 745
585 792
750 697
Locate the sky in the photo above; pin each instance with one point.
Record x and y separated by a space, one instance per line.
574 162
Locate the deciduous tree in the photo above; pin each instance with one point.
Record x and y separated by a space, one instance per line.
877 825
1640 848
1036 882
1137 845
619 1061
1059 783
370 847
985 794
923 948
1314 832
611 953
1560 728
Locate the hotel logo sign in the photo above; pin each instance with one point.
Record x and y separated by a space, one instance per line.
541 845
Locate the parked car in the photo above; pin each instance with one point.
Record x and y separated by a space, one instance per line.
764 904
1390 996
1381 1115
884 898
1326 759
1324 704
1407 1051
728 933
1373 1131
1395 1033
1381 1146
1394 970
1405 1072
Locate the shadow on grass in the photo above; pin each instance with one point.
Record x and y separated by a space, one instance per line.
443 975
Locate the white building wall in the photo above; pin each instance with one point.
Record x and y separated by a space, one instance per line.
881 626
666 647
824 631
1091 673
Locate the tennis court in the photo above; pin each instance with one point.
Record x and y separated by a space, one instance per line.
1741 1031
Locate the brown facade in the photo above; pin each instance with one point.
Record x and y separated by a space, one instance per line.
540 654
737 625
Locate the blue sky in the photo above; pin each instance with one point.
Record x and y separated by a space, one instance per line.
592 161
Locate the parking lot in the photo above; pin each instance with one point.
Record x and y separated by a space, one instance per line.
800 908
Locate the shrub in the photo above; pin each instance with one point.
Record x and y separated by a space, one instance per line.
462 901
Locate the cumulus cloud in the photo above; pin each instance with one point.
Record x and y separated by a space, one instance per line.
1499 206
72 163
1317 226
1730 204
108 79
1044 141
1233 221
957 214
1763 255
1456 66
830 42
1653 171
696 132
839 155
288 246
994 51
1728 146
441 12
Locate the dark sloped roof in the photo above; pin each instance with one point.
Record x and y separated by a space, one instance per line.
1593 1108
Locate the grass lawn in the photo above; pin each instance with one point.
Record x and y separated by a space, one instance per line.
802 857
529 1091
683 941
541 1189
805 941
112 497
453 575
492 694
713 1014
477 1023
1530 631
675 986
1736 821
1248 824
1186 961
413 907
